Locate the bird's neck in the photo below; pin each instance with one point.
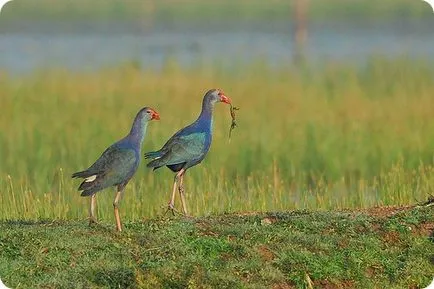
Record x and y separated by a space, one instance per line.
205 118
138 131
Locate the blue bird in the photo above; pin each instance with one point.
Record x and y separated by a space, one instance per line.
117 165
189 146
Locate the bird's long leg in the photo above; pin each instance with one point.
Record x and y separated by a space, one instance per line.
115 206
171 205
92 217
182 194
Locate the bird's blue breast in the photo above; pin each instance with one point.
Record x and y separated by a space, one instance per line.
205 128
126 145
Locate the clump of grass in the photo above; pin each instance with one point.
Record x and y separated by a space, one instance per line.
330 137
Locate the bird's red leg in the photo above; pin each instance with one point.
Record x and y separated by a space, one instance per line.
182 194
92 218
115 206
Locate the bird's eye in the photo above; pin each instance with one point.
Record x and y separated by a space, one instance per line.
148 111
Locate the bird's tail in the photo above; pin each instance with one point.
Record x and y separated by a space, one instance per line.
92 183
153 155
155 164
157 161
82 174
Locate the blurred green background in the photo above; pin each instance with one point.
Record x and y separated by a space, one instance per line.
191 10
336 101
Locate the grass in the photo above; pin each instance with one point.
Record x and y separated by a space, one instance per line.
194 10
388 248
324 138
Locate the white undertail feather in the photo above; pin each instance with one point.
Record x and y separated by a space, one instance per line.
90 179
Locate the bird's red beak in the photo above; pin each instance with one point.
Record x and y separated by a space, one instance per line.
155 115
225 99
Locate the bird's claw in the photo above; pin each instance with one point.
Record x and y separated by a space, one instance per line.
93 221
171 207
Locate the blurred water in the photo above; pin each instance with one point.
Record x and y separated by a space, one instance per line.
25 47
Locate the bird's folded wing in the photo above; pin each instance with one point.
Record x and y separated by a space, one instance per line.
114 159
184 148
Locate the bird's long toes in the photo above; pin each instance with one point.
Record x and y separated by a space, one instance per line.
167 208
171 207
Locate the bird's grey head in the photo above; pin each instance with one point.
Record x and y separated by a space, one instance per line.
148 114
216 95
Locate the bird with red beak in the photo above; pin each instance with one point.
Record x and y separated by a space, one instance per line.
188 146
117 164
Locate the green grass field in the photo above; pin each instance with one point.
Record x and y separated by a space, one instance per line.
325 138
382 248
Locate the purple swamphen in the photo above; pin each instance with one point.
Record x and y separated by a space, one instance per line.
189 146
117 165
